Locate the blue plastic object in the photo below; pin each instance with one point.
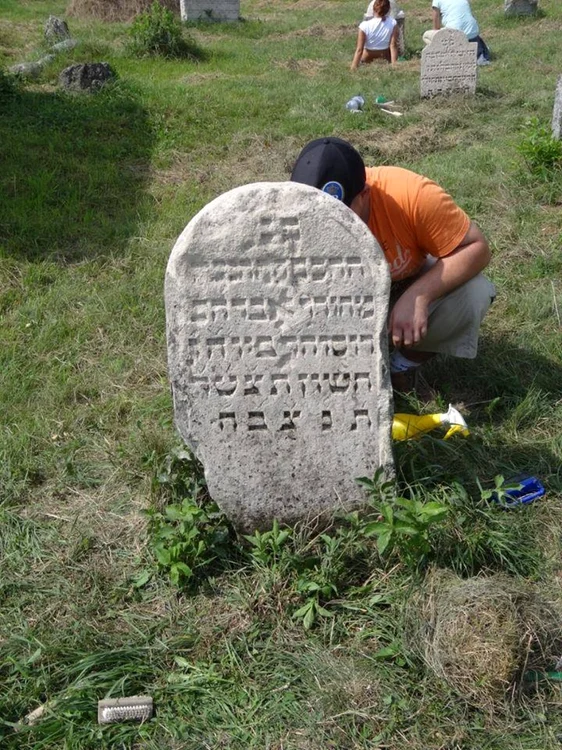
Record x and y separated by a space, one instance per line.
523 490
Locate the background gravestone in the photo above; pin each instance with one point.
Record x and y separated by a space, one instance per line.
56 30
449 64
276 306
224 10
557 113
86 76
521 7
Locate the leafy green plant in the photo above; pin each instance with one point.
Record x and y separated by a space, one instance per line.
189 533
403 524
314 593
541 151
157 32
269 548
500 491
187 538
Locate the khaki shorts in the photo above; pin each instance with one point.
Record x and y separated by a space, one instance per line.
454 320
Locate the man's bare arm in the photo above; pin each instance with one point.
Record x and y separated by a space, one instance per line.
408 319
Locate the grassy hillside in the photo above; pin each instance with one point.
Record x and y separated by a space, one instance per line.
94 191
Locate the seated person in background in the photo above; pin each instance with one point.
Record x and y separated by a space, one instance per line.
457 14
438 294
376 39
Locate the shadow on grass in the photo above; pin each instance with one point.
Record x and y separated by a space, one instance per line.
73 172
512 395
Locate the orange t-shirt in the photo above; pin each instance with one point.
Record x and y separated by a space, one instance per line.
412 217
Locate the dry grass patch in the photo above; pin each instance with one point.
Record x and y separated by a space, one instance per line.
306 67
480 634
415 141
115 10
251 159
330 33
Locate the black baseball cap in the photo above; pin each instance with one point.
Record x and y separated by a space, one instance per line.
333 166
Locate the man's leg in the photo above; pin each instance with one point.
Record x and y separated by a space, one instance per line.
453 328
455 319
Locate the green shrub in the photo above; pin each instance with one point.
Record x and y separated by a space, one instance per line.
541 151
158 32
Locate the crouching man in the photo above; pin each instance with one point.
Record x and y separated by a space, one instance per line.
435 253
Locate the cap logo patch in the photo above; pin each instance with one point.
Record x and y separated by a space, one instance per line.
333 188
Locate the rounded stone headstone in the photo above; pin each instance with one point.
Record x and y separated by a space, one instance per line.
521 7
448 64
276 307
56 30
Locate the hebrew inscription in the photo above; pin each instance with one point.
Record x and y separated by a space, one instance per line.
449 64
276 305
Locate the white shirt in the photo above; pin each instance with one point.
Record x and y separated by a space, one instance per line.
456 14
378 32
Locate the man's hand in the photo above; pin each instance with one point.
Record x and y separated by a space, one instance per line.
408 320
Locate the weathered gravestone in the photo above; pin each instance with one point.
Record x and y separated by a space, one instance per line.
521 7
557 112
86 76
219 10
276 306
56 30
30 70
449 64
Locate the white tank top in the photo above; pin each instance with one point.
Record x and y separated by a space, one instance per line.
378 32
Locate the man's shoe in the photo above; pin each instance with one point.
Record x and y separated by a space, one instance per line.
405 381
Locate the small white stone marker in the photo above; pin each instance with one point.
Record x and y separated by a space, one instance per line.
131 708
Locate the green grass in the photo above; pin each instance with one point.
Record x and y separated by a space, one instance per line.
94 192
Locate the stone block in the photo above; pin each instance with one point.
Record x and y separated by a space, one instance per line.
86 76
557 112
56 30
521 7
212 10
276 307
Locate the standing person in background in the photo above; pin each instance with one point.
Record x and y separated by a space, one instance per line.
376 39
457 14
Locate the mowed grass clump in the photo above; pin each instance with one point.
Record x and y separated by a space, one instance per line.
294 638
479 634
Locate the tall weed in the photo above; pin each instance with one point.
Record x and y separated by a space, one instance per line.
157 32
